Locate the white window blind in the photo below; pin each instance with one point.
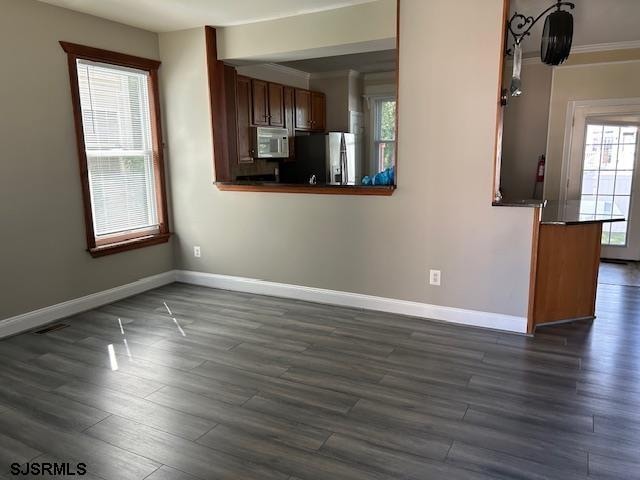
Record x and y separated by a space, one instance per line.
117 134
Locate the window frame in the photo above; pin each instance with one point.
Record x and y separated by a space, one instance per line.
117 243
376 126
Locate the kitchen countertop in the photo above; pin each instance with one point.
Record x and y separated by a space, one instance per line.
569 213
284 185
323 189
527 203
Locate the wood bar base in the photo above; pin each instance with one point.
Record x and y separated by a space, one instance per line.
566 273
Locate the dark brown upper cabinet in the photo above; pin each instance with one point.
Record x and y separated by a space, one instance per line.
243 116
303 109
318 111
260 96
310 110
276 105
268 103
289 118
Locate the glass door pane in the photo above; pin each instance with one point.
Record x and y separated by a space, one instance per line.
607 176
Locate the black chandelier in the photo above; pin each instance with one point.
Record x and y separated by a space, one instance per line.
557 38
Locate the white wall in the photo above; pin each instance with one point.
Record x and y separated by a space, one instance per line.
43 257
440 216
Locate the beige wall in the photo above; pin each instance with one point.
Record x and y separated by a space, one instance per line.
583 82
43 258
526 122
365 27
440 217
335 86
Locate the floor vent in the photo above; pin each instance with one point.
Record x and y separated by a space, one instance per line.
51 328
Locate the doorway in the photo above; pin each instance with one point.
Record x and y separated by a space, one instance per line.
603 173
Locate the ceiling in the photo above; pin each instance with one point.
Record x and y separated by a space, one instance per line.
595 21
169 15
369 62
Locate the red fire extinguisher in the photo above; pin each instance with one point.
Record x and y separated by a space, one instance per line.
540 176
539 186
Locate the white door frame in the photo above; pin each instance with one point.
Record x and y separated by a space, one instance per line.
578 112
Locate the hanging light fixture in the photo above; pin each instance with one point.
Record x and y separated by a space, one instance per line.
557 37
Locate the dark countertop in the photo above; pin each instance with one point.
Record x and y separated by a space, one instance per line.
574 212
527 203
287 185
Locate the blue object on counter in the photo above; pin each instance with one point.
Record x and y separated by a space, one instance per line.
384 177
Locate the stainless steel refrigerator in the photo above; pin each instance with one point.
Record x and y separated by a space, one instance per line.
330 157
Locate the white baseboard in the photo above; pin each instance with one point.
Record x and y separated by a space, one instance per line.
27 321
36 318
475 318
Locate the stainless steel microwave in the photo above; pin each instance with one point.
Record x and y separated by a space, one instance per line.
270 142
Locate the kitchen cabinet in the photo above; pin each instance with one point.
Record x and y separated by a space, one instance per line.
289 118
260 102
276 105
303 109
317 111
310 110
244 104
267 103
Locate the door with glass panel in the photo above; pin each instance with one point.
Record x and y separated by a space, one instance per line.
610 184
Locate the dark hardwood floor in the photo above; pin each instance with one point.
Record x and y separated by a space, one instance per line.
190 383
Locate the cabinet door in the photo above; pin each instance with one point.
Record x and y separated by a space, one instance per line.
243 119
317 111
260 94
276 105
303 109
289 118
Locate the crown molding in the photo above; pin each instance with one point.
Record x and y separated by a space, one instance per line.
335 74
293 72
606 47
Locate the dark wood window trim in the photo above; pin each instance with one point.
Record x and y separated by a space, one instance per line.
120 243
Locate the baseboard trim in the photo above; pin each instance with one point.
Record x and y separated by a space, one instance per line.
475 318
27 321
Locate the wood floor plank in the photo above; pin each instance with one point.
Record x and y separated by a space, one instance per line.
216 384
103 459
137 409
59 366
391 436
302 463
179 453
50 407
503 466
168 473
273 428
279 388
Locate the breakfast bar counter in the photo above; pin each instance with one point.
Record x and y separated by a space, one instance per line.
565 262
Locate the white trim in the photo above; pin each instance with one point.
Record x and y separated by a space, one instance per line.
43 316
335 74
572 108
36 318
595 63
476 318
293 72
606 47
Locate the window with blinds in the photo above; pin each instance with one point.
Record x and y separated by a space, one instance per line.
116 120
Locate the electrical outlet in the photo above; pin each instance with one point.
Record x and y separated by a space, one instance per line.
196 252
434 277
